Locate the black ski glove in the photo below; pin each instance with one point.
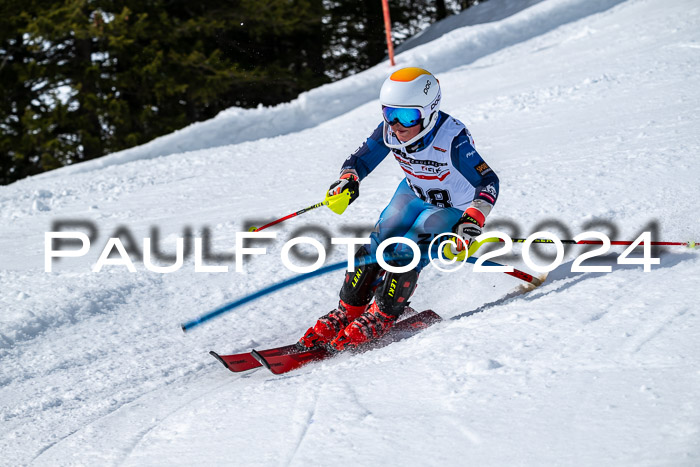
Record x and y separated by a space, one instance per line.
347 181
467 228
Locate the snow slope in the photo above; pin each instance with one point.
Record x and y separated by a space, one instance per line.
587 110
484 12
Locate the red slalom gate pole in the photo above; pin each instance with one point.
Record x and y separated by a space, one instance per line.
387 28
523 276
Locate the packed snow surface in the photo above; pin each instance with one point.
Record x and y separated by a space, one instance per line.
588 110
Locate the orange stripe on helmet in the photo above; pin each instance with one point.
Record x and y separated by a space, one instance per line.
408 74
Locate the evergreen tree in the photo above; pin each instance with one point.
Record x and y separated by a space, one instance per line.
82 78
25 94
86 77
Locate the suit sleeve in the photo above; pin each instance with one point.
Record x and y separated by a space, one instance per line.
368 156
471 165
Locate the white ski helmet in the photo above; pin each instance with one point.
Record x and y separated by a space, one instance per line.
410 96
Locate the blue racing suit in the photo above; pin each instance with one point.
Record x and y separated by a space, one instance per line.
444 176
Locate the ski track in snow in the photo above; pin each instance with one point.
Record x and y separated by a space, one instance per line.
587 110
305 411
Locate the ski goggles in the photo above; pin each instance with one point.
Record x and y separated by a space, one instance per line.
406 116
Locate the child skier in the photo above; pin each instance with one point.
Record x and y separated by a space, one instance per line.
448 187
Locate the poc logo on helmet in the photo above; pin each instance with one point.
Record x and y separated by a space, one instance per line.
427 87
435 102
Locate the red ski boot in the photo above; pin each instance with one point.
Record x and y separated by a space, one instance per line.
328 326
371 325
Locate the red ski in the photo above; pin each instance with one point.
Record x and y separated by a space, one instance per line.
246 361
282 363
287 358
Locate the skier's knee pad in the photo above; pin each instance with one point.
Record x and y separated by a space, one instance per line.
393 294
358 287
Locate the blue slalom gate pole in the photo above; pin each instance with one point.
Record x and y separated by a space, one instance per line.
309 275
261 293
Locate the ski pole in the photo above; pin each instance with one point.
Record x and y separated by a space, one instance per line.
469 255
690 244
337 203
282 219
